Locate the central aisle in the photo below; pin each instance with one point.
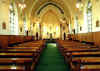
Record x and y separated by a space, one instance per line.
51 60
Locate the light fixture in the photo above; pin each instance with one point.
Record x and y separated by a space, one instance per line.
22 5
11 6
79 4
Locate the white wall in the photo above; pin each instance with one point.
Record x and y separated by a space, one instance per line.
96 14
4 17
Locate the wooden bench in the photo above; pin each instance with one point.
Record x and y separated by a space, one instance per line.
3 41
69 51
33 48
86 63
35 51
90 68
22 51
19 50
26 59
23 57
73 55
11 68
81 57
19 59
16 55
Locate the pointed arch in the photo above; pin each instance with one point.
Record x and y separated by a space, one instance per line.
52 4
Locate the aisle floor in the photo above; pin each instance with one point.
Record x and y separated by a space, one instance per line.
51 60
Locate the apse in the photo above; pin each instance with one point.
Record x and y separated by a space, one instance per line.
50 25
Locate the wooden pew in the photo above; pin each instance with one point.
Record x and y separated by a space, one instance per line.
90 68
78 55
70 56
64 46
25 59
18 59
28 38
86 64
21 52
11 68
83 57
3 41
32 45
6 40
72 43
81 50
26 62
35 50
68 52
16 55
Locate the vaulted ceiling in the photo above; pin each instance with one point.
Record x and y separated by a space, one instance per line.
67 6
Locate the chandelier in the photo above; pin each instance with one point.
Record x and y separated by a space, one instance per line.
79 4
22 5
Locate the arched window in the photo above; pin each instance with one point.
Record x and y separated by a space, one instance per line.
13 19
89 16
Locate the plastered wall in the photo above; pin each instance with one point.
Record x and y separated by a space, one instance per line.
4 18
93 36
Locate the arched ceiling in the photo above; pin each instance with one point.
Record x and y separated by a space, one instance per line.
48 8
59 4
68 6
48 4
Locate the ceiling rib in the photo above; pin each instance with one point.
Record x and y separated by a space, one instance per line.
47 4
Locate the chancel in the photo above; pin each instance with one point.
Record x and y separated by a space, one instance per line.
49 35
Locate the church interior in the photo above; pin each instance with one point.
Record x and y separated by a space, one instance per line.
49 35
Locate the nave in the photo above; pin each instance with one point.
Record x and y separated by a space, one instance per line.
46 55
28 27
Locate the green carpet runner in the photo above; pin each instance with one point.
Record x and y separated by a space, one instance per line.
51 60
